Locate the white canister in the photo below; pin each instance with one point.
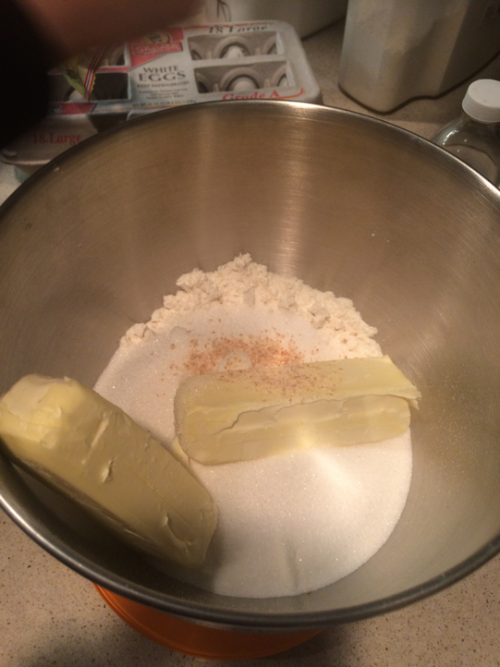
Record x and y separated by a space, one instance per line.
395 50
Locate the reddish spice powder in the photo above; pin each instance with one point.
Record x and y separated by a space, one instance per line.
261 350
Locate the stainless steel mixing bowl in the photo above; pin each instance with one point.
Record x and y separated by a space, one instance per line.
90 244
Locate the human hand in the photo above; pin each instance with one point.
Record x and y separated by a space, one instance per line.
68 27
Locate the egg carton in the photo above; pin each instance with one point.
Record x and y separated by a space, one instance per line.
182 65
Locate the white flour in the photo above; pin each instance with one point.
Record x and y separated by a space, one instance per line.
243 282
288 524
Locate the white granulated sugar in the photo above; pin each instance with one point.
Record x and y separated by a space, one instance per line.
288 524
294 523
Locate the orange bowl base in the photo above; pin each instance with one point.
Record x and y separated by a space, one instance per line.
197 640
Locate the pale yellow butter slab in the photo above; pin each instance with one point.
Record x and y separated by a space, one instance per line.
89 449
249 414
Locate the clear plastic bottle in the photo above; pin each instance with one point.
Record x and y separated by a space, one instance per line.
474 136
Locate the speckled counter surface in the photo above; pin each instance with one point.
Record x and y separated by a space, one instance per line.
51 617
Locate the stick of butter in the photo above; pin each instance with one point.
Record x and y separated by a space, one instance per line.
248 414
89 449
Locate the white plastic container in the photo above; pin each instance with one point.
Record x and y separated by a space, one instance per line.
306 16
474 136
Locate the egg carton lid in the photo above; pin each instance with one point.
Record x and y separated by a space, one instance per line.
177 66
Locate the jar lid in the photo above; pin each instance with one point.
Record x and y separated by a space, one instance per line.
482 101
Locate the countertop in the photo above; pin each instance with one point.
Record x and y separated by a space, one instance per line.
52 617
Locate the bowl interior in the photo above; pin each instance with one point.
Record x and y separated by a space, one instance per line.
91 243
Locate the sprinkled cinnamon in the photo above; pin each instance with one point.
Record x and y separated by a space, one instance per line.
261 351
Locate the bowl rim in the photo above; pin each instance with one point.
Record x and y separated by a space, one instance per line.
202 613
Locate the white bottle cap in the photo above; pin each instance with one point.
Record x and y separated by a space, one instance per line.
482 101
